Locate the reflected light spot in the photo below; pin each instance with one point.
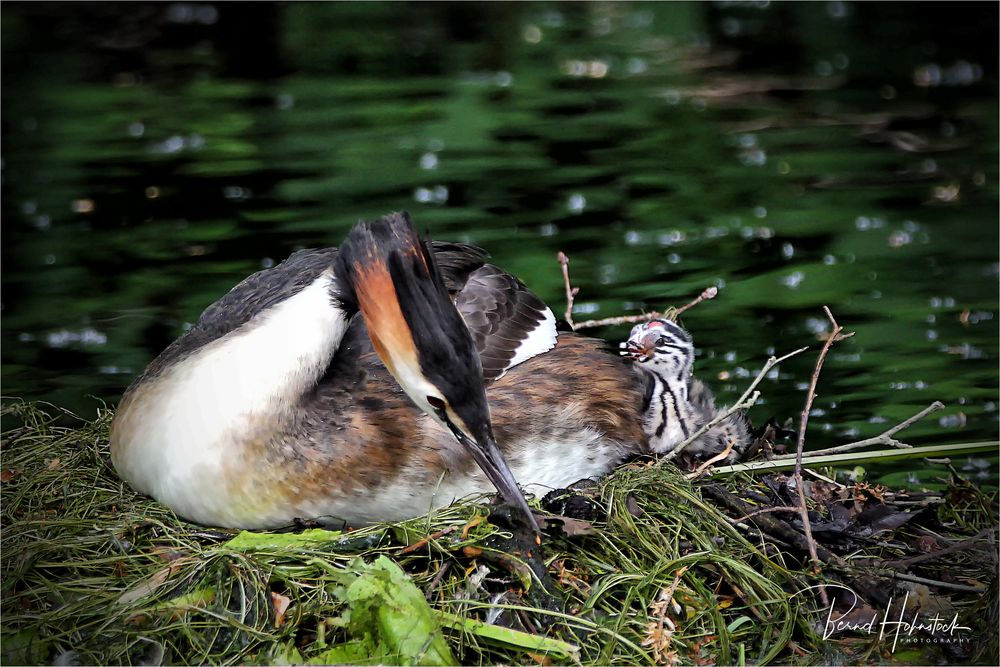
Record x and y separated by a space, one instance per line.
236 192
83 206
64 338
636 66
152 192
899 238
428 161
597 69
947 193
793 280
532 34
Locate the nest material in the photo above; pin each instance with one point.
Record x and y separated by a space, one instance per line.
94 573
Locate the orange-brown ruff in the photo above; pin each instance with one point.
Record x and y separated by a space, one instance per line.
277 405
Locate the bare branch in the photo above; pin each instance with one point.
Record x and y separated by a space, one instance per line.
624 319
700 470
958 546
764 510
709 293
570 291
835 335
747 400
883 439
668 314
940 584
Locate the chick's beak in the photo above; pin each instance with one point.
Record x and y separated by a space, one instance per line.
647 344
487 455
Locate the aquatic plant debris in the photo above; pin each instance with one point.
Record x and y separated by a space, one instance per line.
391 617
94 573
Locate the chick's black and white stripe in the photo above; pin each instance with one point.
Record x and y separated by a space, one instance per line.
677 405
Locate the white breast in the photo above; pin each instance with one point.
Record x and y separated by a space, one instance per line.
182 426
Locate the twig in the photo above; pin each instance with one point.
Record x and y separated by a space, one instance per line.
767 523
709 293
747 400
765 510
622 319
835 335
824 478
570 291
436 581
670 313
883 439
426 540
940 584
700 470
958 546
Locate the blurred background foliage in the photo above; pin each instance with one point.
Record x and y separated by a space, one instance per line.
795 154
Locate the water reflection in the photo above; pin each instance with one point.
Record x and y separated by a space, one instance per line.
795 155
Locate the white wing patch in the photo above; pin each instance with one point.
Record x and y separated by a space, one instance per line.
539 340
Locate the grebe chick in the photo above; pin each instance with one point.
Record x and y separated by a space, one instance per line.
679 404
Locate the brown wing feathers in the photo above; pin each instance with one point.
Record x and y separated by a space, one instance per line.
501 312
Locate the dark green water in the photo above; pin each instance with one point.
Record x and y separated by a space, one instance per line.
795 154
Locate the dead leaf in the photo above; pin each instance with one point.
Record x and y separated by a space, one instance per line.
146 587
633 507
927 544
9 474
54 464
280 603
155 580
569 527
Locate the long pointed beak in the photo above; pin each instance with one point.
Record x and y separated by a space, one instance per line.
487 454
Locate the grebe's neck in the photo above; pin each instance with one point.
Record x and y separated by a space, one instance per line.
670 417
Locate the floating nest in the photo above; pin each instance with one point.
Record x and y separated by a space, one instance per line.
647 568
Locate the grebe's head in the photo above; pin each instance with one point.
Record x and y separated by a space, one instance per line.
662 347
390 275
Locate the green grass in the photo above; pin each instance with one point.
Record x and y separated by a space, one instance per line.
97 574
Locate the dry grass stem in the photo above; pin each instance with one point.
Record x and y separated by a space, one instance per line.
746 401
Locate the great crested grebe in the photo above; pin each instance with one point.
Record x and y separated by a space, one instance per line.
279 404
678 404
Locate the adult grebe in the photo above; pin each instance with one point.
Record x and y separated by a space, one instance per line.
279 404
